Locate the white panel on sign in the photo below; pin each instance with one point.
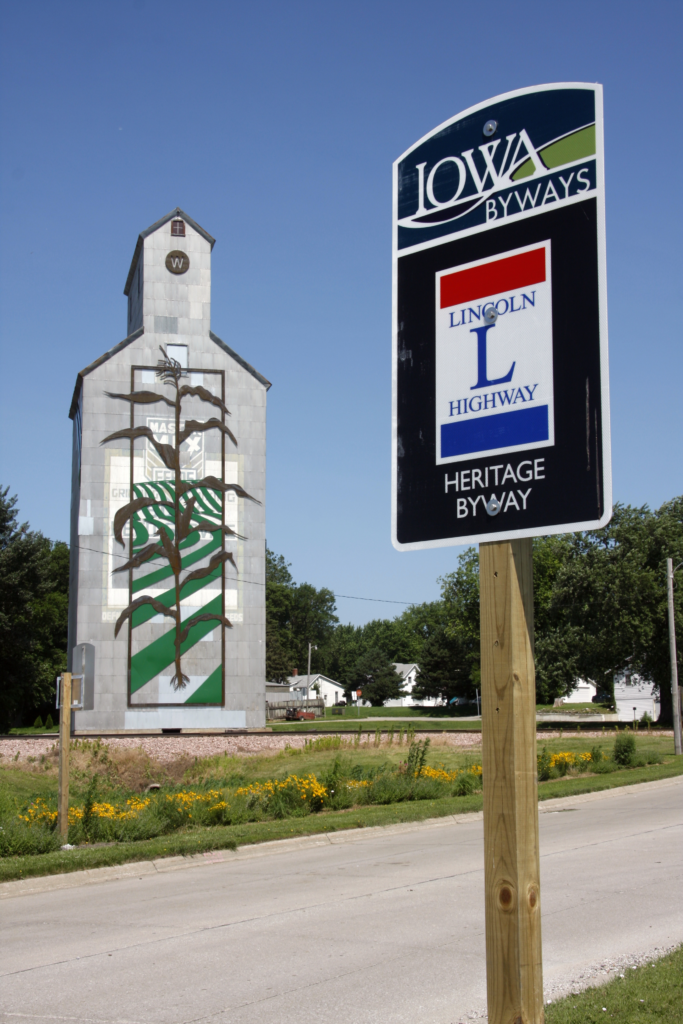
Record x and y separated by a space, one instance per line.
494 355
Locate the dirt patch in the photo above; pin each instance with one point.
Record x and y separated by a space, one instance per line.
141 759
138 758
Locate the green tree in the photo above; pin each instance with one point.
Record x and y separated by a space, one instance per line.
460 592
296 615
375 676
34 585
341 652
445 669
402 639
279 585
665 536
607 606
599 603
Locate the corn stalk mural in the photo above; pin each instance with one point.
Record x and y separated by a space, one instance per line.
179 510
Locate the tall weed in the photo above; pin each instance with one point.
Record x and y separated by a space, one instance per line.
417 757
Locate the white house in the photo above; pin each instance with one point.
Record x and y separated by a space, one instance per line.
634 696
583 694
295 689
329 689
630 691
408 673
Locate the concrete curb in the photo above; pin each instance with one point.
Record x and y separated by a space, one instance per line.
138 869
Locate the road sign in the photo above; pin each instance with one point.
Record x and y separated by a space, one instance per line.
500 376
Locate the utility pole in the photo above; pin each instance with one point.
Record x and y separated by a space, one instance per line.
64 744
675 694
311 647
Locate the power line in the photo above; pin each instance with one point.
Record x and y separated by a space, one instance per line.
348 597
257 583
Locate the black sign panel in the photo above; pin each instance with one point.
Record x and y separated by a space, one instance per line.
501 415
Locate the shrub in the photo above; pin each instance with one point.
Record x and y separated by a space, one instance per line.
18 838
393 789
38 724
544 763
562 762
294 795
49 724
624 749
465 784
88 805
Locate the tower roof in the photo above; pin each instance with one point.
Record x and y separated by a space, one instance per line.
155 227
137 334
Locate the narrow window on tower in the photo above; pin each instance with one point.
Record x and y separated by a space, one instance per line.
178 228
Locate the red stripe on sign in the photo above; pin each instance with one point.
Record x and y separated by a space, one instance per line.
492 278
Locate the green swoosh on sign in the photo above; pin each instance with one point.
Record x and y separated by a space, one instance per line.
572 147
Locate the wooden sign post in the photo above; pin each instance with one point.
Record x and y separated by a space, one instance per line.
64 745
513 908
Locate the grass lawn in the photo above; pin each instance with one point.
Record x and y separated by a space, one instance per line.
358 714
317 757
30 730
358 759
201 840
352 724
651 994
581 708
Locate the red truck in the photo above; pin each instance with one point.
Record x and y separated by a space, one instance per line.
297 715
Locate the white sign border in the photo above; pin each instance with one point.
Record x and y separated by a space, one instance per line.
536 531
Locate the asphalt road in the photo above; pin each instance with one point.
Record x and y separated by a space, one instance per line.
377 927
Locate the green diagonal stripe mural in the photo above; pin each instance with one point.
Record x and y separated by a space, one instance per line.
144 582
158 655
146 613
211 690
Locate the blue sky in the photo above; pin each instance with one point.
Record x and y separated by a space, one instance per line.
274 125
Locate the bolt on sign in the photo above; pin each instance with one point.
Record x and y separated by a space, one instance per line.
500 376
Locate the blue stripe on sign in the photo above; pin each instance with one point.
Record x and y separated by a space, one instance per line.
521 426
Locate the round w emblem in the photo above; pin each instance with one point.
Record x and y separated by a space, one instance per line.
177 262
